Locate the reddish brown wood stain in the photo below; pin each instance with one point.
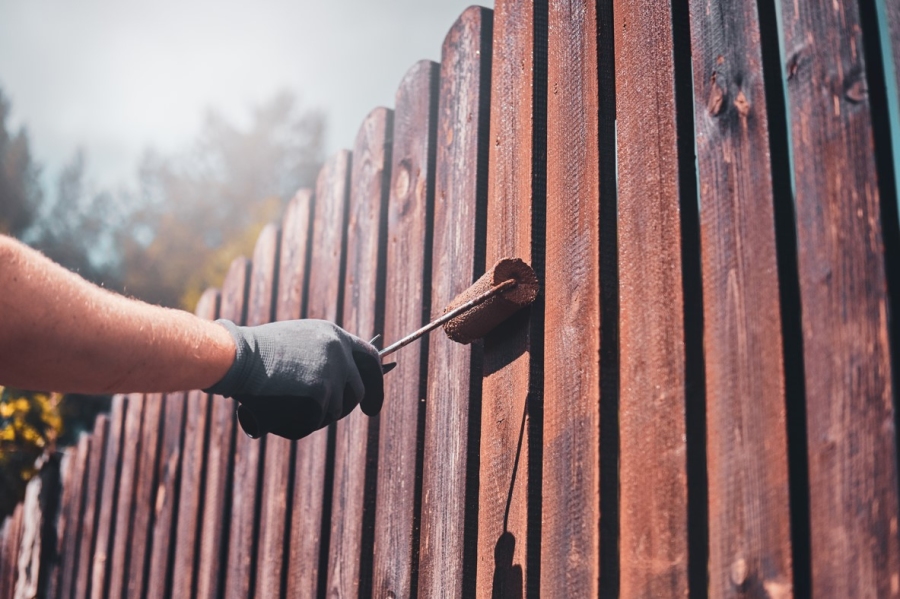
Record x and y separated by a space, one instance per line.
653 485
219 457
187 531
325 282
850 416
460 185
248 453
749 512
570 547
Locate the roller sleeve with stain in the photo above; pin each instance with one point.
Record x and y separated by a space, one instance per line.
483 318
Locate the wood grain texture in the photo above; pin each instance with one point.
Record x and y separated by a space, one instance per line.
452 412
410 209
570 546
850 416
505 501
120 540
275 518
749 511
349 560
653 480
220 455
12 544
74 510
66 524
165 500
191 492
325 294
148 468
100 493
249 453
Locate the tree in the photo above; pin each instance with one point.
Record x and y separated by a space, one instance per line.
20 191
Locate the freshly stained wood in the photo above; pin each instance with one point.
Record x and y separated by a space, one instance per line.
570 546
653 489
353 509
325 286
166 495
275 516
410 206
220 455
749 511
190 502
249 453
144 514
120 539
100 511
850 415
452 409
74 510
507 502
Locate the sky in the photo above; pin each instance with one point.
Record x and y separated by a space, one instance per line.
117 76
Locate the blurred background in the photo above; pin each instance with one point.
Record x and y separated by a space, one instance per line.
144 144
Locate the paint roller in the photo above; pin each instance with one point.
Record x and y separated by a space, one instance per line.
501 292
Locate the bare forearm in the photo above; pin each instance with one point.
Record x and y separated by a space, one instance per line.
60 333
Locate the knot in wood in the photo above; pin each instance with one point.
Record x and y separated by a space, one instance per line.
716 96
858 91
742 105
739 571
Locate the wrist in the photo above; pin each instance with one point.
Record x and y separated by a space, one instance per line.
224 357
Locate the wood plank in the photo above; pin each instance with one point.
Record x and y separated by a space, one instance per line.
165 505
356 435
275 519
653 479
191 493
144 495
220 454
450 438
6 559
69 554
65 525
240 575
749 511
309 524
850 416
509 492
120 538
13 548
570 545
95 492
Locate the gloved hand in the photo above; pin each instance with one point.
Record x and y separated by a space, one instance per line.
295 377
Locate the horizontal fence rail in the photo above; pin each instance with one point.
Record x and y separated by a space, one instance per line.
701 402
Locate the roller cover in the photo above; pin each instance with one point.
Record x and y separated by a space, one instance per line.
480 320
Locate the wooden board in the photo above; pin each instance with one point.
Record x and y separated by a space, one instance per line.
74 510
408 242
65 524
850 416
312 493
191 492
12 543
653 484
275 519
165 500
570 545
749 511
120 539
509 494
99 487
147 476
449 492
240 575
356 436
220 454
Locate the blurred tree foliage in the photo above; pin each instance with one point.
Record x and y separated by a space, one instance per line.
20 191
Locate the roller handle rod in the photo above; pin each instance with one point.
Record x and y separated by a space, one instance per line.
495 290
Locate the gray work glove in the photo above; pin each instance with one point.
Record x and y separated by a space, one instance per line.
295 377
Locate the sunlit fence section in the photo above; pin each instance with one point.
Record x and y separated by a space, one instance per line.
701 402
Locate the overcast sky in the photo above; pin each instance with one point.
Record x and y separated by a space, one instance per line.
115 76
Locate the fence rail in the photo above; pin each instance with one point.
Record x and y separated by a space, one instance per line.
702 401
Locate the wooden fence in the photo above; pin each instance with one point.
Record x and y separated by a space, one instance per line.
701 402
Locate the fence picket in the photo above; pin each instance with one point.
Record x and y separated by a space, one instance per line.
356 436
95 492
74 511
191 492
310 523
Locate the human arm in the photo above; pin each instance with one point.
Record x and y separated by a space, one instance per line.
59 332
